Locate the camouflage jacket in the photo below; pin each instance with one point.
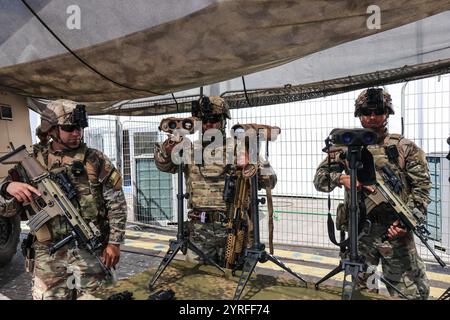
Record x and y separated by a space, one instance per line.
8 206
100 197
410 166
38 147
205 183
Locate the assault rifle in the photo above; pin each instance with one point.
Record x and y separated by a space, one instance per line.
413 220
55 202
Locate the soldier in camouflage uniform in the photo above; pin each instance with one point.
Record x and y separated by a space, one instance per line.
400 260
43 140
72 271
205 182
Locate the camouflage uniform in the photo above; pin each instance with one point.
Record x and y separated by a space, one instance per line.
42 144
204 185
100 199
400 260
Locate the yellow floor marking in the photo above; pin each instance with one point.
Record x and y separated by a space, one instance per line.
149 235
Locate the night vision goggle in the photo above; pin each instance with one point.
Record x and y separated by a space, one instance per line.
79 116
374 103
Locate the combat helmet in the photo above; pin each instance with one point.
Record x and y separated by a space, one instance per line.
373 99
210 107
63 112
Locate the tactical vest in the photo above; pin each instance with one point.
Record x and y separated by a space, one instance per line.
397 165
88 186
205 184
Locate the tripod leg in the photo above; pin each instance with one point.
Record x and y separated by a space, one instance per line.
283 266
199 252
388 283
174 247
330 274
348 286
251 260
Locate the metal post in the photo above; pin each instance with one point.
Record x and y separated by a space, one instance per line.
419 50
255 211
119 149
180 198
402 107
353 227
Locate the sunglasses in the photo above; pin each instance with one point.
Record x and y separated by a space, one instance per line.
70 127
368 112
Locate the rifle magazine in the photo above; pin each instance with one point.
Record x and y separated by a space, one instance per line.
37 221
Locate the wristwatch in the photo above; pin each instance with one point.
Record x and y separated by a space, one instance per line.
3 191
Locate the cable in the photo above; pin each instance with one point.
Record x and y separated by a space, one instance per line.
245 92
79 58
176 102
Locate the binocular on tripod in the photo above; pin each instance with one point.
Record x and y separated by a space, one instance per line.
264 132
182 125
352 137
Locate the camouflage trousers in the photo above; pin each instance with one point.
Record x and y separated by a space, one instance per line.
67 271
210 238
400 261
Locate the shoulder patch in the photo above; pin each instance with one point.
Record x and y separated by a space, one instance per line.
116 180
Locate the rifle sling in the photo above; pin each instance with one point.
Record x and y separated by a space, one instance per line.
330 223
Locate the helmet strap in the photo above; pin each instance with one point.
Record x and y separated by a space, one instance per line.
385 123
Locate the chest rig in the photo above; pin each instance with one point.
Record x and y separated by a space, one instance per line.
205 182
83 175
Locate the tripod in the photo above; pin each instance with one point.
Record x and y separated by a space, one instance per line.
182 241
257 253
353 263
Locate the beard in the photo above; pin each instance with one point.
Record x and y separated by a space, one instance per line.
73 143
373 125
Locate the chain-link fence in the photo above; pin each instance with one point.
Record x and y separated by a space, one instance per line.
102 134
300 210
427 122
300 216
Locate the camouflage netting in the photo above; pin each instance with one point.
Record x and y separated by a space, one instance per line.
153 48
200 282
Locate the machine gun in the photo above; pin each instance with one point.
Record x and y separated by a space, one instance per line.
236 196
412 220
54 202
